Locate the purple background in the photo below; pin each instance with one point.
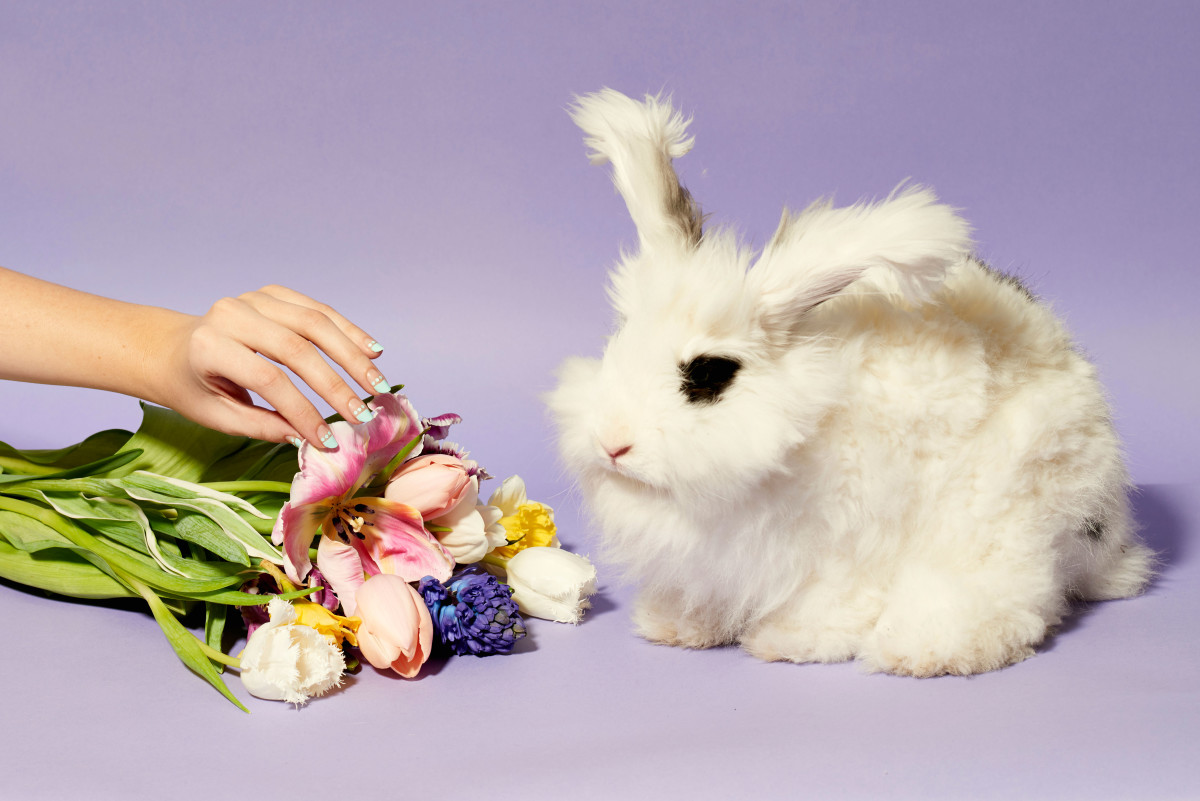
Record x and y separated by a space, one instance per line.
414 167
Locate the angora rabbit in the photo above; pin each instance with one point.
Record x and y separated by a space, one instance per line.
868 444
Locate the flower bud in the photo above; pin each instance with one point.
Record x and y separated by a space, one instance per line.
432 484
396 630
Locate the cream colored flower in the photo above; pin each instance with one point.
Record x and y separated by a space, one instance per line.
551 583
287 661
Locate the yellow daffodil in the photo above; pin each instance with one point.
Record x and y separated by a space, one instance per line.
527 523
334 626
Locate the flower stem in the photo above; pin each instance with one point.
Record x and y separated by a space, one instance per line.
495 561
249 486
219 656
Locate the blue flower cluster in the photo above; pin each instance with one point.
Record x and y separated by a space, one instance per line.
473 613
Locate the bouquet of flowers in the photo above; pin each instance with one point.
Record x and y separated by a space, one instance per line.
378 549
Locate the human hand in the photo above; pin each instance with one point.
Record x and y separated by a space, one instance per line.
211 364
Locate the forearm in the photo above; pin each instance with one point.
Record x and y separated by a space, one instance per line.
50 334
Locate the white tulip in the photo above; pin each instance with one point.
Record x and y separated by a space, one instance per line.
551 583
285 661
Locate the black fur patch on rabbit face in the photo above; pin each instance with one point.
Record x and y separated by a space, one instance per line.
705 378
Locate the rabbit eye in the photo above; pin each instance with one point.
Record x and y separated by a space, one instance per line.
706 377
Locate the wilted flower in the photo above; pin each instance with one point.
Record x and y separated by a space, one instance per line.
433 484
551 583
396 630
473 613
285 661
527 524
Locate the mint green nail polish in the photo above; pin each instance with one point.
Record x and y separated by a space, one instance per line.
327 438
375 346
381 384
296 441
362 413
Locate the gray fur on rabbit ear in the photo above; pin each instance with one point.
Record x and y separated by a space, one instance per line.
641 140
902 246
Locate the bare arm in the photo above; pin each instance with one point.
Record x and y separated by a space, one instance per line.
200 366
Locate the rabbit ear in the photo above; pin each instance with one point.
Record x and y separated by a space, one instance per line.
910 237
640 140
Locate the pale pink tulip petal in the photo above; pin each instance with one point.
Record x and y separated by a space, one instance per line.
433 484
342 570
408 664
393 540
391 627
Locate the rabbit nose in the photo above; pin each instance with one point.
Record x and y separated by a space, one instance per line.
617 453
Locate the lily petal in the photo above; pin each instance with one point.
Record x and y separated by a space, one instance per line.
294 529
343 571
395 424
330 474
394 540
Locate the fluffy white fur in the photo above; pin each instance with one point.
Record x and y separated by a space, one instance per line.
913 467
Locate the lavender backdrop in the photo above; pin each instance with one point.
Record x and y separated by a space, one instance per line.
413 166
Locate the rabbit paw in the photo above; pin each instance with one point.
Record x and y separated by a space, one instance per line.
947 641
774 641
658 621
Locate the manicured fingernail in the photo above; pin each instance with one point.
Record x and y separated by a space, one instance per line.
296 441
375 346
361 412
326 437
380 383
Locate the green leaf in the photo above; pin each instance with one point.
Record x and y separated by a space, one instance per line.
97 446
184 490
172 445
199 530
112 554
30 535
258 460
117 518
108 463
61 571
230 523
215 616
185 644
239 598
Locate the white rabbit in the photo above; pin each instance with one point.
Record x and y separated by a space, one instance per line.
866 445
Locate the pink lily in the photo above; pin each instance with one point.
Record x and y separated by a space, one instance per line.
360 535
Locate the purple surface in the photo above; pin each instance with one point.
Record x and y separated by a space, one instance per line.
414 168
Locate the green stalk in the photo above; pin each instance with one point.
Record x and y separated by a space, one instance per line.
11 464
250 486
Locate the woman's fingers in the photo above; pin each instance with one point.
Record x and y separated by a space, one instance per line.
363 341
221 360
306 334
291 331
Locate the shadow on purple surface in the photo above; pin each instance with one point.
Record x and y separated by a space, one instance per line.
1162 526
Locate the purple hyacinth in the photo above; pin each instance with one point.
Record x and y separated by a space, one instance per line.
473 613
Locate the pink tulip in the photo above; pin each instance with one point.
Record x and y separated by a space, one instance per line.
432 484
396 630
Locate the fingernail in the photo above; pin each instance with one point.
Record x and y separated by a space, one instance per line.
296 441
361 412
375 346
326 437
380 383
